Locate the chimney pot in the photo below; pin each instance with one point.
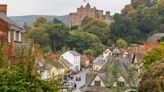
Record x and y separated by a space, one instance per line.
3 8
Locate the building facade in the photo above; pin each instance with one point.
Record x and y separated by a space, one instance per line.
10 32
72 60
75 19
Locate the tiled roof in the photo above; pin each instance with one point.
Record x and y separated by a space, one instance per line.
100 60
56 64
116 51
11 23
75 53
66 62
155 37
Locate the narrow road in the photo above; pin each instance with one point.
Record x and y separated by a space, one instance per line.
82 82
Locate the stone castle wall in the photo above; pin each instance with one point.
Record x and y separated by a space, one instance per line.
75 19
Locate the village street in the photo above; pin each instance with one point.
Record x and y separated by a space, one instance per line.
82 82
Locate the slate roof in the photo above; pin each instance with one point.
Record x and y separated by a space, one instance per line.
11 23
89 78
106 75
100 60
66 62
155 37
75 53
56 64
116 51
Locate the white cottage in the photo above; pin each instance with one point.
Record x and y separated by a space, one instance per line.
73 59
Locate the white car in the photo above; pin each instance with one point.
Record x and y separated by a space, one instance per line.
69 85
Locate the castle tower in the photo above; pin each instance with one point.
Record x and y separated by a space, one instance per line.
88 6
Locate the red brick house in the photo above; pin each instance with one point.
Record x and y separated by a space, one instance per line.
10 32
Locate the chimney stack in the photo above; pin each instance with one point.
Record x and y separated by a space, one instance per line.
3 8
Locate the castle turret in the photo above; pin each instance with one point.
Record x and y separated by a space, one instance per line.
108 14
88 5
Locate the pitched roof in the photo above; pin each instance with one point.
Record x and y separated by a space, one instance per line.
117 66
107 75
90 77
66 62
94 88
116 51
56 64
100 60
155 37
11 23
75 53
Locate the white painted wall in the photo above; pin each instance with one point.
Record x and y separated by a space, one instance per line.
61 71
15 37
20 37
45 75
74 60
69 57
9 36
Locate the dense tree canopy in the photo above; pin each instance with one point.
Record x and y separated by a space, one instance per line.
121 43
50 35
154 55
84 41
97 27
58 33
22 76
153 79
138 21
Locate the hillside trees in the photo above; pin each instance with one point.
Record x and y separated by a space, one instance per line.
154 55
40 36
121 43
48 34
84 41
124 27
152 75
97 27
138 21
58 33
153 79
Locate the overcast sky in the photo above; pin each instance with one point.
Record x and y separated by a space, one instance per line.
59 7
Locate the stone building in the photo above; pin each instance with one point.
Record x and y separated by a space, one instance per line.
75 19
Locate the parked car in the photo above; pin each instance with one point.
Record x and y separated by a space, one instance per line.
75 72
78 78
70 85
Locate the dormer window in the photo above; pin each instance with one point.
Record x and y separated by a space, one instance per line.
97 83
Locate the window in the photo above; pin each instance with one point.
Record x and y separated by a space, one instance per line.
121 84
97 83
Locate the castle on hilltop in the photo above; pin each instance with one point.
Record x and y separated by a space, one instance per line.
75 19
